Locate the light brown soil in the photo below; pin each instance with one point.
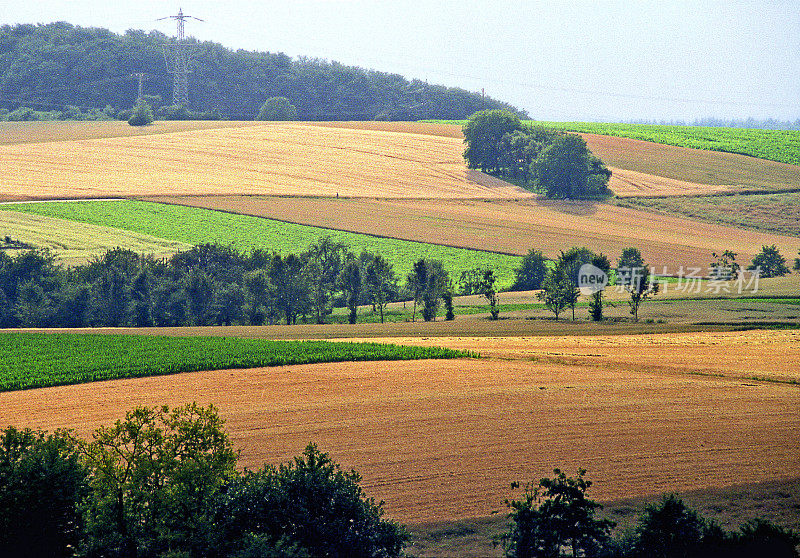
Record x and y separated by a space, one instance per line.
281 159
444 439
512 226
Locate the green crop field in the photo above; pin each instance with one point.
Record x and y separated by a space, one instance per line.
776 145
197 226
34 360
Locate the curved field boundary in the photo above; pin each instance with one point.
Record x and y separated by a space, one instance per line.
36 360
245 232
444 439
513 227
279 159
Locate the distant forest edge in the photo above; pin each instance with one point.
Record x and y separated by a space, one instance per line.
84 72
782 146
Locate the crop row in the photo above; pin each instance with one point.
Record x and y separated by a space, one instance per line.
34 360
244 232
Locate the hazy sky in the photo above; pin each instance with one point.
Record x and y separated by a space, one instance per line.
559 60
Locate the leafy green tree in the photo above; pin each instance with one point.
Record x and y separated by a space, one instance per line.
311 505
724 266
381 283
416 281
483 133
634 276
558 291
153 477
142 114
447 298
770 262
142 299
437 282
277 108
554 516
567 169
351 284
797 263
487 289
289 289
531 272
596 303
325 260
759 537
41 483
669 529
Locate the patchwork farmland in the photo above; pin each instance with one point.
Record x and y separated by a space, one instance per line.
646 408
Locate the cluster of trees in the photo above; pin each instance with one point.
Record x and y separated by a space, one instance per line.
554 518
556 163
164 483
213 285
769 263
94 68
559 284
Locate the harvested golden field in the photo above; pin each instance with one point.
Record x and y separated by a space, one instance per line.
512 226
444 439
76 243
278 159
642 168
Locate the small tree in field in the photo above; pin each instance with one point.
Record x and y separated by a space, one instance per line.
351 284
142 114
278 109
724 267
554 516
634 276
797 263
487 289
531 272
558 291
770 262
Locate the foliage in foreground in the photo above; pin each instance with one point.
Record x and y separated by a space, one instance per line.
33 360
554 519
163 483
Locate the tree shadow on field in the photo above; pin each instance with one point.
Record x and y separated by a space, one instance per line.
569 207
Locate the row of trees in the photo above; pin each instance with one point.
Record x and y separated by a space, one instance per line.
556 163
52 66
215 285
163 483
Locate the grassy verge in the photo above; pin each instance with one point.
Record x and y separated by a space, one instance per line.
34 360
777 213
244 232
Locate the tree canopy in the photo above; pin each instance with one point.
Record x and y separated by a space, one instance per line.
94 68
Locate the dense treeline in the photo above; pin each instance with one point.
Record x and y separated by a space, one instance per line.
55 66
209 285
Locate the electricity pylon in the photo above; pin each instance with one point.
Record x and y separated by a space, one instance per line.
177 60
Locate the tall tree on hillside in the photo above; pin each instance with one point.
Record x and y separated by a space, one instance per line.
770 262
381 283
289 291
325 260
351 284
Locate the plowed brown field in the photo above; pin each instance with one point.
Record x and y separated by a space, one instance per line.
444 439
511 226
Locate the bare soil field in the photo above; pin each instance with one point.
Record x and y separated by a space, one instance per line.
443 440
511 226
278 159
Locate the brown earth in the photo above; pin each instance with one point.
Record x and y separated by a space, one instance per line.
511 226
443 439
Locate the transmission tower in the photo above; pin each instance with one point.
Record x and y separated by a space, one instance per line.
177 58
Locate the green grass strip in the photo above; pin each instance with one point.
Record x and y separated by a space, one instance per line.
776 145
245 232
35 360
